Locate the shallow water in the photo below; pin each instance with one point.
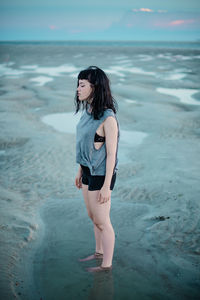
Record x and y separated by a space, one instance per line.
44 225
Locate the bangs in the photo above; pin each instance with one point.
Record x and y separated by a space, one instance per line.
101 94
89 74
85 74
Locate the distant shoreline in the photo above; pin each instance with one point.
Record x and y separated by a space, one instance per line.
128 43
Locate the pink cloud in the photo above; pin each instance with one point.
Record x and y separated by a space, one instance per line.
52 27
142 9
176 23
148 10
181 22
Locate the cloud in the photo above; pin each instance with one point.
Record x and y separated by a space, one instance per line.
142 9
181 22
148 10
52 27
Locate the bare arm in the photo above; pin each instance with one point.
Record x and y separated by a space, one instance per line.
111 132
78 179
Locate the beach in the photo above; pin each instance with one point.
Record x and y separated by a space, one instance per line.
44 226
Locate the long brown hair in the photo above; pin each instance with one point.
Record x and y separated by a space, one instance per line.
101 93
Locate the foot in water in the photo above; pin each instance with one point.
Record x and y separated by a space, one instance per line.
99 269
93 256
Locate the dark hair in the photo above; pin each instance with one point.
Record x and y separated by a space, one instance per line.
101 93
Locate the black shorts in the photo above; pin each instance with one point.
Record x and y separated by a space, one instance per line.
95 182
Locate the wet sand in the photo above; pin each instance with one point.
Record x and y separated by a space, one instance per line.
155 204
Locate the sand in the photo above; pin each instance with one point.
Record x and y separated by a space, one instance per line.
44 226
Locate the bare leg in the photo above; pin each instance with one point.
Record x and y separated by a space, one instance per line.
98 238
97 232
108 241
101 217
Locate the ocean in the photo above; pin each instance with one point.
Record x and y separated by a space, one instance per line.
44 227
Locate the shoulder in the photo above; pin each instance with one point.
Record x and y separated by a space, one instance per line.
110 119
108 112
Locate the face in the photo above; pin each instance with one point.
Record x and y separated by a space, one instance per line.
84 89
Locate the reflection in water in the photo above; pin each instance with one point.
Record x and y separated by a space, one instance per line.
103 287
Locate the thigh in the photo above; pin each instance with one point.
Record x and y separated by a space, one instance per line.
96 182
86 199
100 212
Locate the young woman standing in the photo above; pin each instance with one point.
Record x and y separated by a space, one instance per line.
97 139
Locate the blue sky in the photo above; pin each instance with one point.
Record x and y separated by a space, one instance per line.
100 20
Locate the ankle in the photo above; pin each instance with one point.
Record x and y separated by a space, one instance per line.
99 252
106 267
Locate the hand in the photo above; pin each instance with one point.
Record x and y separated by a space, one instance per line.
78 180
104 194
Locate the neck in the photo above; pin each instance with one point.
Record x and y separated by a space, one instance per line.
89 101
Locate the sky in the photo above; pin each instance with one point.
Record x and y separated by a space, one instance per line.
134 20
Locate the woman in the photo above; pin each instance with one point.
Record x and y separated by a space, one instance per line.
96 153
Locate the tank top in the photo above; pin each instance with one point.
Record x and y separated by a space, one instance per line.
86 153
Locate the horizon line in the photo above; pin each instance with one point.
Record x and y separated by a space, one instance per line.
198 40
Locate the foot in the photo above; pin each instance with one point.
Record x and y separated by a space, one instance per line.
99 269
93 256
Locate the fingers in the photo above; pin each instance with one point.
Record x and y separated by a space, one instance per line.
102 199
78 182
99 197
106 199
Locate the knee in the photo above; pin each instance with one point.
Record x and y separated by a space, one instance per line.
90 215
104 225
99 225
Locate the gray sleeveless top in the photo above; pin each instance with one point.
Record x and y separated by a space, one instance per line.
86 153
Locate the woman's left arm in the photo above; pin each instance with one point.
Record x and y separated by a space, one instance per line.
111 133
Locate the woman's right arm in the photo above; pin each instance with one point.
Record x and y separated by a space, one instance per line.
78 179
